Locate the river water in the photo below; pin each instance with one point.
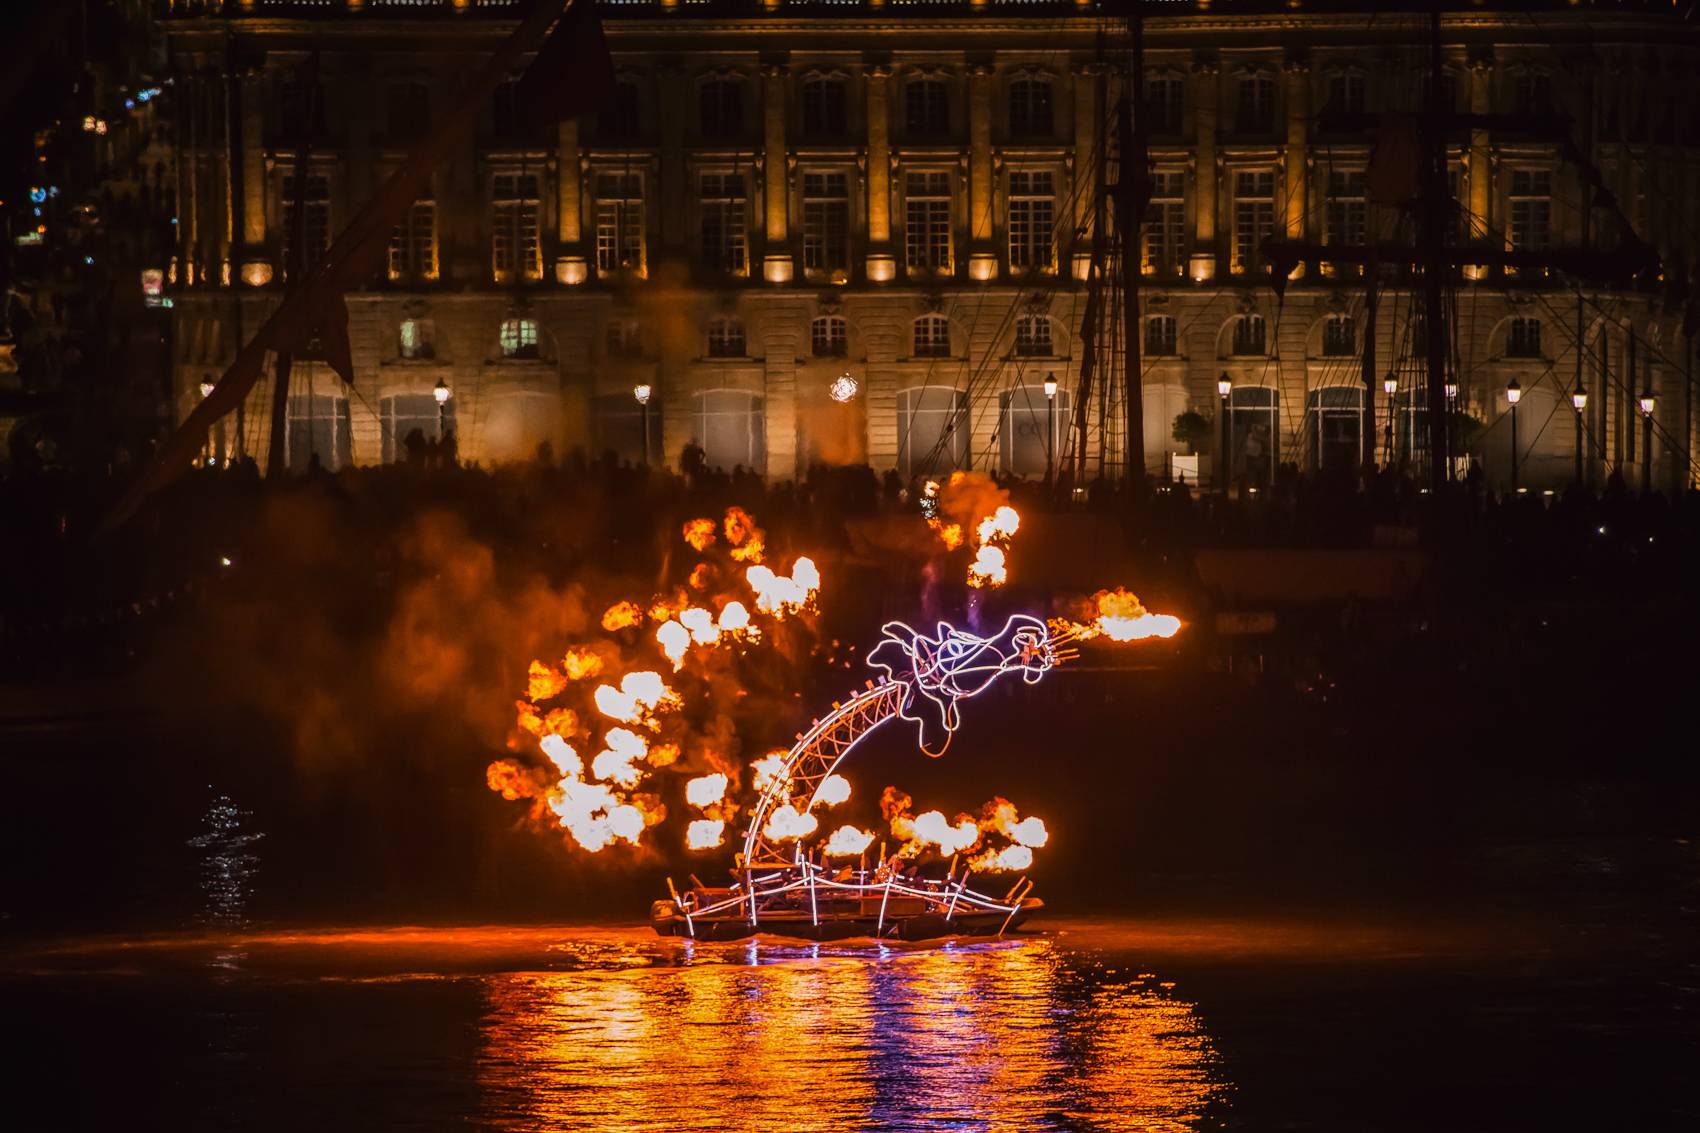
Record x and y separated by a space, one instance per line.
1185 1022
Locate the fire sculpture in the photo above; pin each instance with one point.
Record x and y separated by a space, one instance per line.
781 888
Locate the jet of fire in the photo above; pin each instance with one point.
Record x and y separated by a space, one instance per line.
1120 617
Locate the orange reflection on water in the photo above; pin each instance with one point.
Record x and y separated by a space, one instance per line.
1017 1035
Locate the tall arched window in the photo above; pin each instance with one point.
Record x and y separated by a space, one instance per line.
1336 428
1031 429
1339 336
403 414
1253 430
1160 335
932 430
318 427
1523 338
828 336
725 338
415 338
727 423
1033 335
932 337
1248 336
518 338
622 425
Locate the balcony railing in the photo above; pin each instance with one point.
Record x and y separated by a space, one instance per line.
616 8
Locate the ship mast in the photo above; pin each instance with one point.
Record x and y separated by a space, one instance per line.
1133 195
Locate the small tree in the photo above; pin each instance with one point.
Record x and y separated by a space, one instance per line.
1192 429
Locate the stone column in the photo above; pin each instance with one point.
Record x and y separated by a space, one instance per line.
882 264
1481 156
571 267
1296 71
982 259
257 267
777 266
1206 95
1086 128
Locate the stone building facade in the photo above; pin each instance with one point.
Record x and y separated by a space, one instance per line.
782 194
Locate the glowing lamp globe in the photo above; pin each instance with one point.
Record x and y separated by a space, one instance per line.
1451 391
1051 386
843 388
440 391
206 387
1513 392
1224 385
1579 399
1647 403
1390 385
640 393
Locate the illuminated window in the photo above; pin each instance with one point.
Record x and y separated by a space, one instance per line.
826 225
619 222
1033 335
399 417
932 337
1165 224
317 426
726 338
415 338
926 222
1032 220
932 430
518 338
1254 216
1523 338
720 108
1248 335
926 107
1339 336
729 426
316 212
828 336
824 105
1256 109
623 339
722 216
1030 113
1531 209
1165 103
1160 336
515 252
413 244
1336 428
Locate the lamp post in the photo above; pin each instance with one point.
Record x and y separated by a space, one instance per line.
1513 394
1451 390
1390 386
216 443
1224 387
1578 402
1647 403
640 394
440 391
1050 424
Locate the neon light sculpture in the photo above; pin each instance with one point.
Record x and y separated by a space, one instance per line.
926 678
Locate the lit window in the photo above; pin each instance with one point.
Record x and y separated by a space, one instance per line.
1523 339
413 244
824 107
1033 335
1165 224
932 430
926 108
1254 216
317 427
403 415
932 337
1248 335
415 338
828 337
1032 219
722 205
826 225
515 252
926 222
1339 336
720 108
519 338
1030 108
619 222
1160 335
725 338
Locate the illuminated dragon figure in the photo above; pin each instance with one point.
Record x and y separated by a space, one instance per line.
926 678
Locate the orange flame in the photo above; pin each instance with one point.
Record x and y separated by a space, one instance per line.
699 533
622 615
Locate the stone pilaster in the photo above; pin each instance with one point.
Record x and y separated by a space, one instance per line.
1481 156
257 268
1296 75
777 266
882 264
1206 98
572 267
982 259
1086 127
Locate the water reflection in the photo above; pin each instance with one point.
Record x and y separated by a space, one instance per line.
1016 1035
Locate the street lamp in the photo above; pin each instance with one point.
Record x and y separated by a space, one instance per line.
1050 424
1224 387
1513 394
1578 402
1647 403
440 391
207 386
641 393
1390 387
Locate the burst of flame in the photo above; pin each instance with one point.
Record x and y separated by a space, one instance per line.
847 842
621 615
638 693
674 640
1008 859
705 833
833 790
786 823
748 541
543 682
734 617
581 664
988 567
699 533
931 828
767 771
706 790
1120 617
1001 524
617 762
779 594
